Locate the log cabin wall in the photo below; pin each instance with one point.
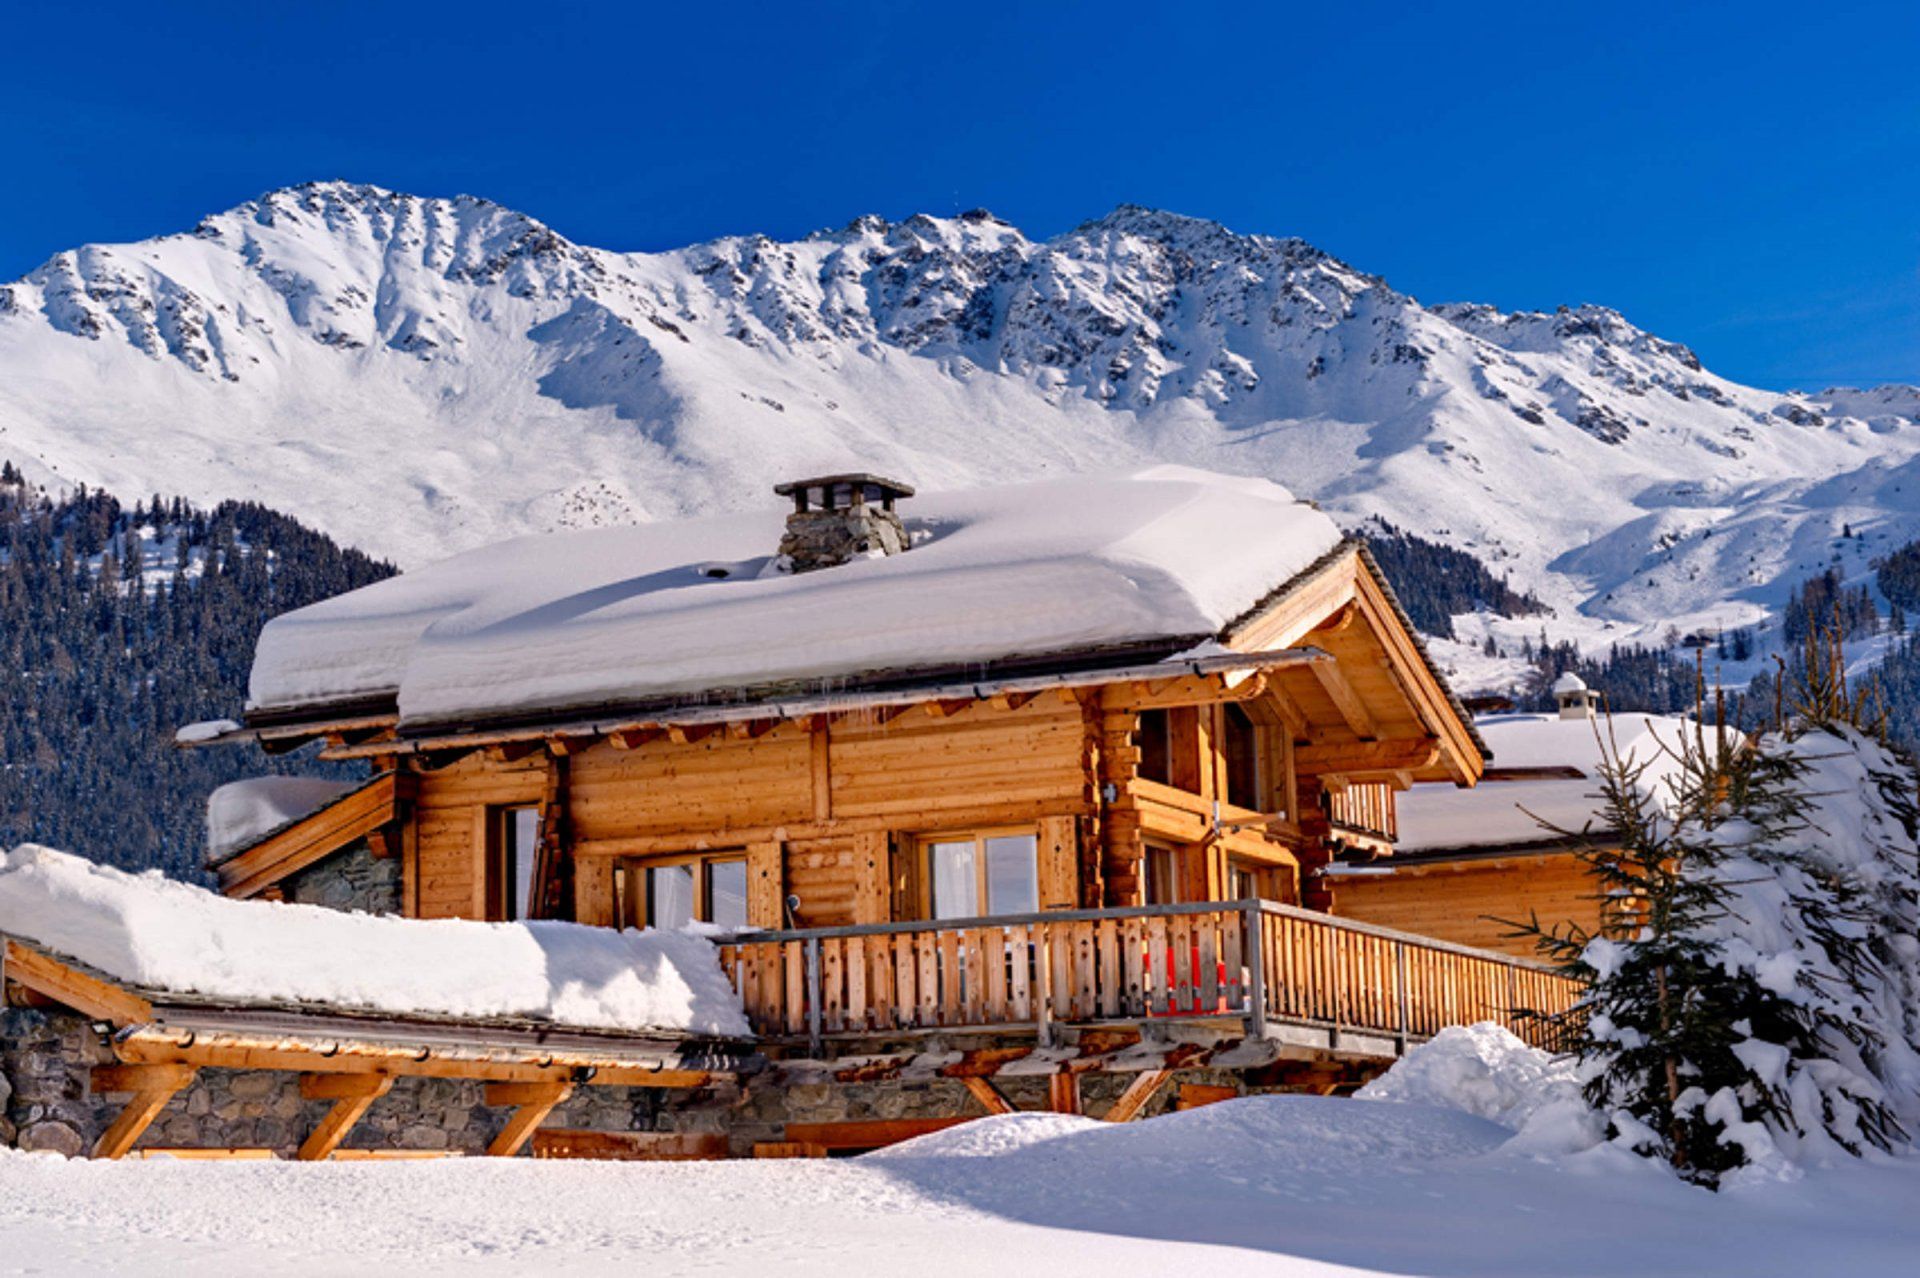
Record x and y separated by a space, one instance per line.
1475 901
828 812
832 812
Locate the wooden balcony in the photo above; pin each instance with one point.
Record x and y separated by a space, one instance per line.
1254 970
1365 809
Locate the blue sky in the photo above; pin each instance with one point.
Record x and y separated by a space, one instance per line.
1742 178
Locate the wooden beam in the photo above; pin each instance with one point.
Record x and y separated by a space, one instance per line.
532 1102
867 1134
1391 755
314 837
334 1056
634 738
88 995
152 1086
1188 690
352 1095
1345 700
1138 1093
513 751
632 1147
821 762
788 1149
991 1098
1063 1092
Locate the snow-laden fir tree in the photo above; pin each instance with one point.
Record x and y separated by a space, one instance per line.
1753 981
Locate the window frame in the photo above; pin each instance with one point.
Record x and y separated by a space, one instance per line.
1254 761
502 903
630 885
923 845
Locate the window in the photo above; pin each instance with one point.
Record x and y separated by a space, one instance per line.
514 833
1163 875
671 892
1243 881
972 875
1240 748
1155 736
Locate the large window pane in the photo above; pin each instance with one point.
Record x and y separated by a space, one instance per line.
1241 747
1013 874
727 893
955 887
670 895
1163 877
519 833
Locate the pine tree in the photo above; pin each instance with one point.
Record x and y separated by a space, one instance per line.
1755 982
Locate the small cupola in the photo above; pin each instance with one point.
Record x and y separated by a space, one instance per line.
1575 699
840 518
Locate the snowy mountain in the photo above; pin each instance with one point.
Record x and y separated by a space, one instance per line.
419 375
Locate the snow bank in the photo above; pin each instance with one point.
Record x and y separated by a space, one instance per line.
242 813
1486 1071
990 1137
1495 813
556 621
155 932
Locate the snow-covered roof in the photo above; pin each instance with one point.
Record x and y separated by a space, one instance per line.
1568 682
621 615
241 813
155 933
1502 812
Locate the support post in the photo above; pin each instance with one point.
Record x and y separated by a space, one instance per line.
816 1039
1400 992
1138 1093
991 1098
1256 972
533 1102
152 1086
352 1096
1063 1092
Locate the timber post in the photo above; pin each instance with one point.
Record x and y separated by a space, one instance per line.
1256 971
1401 1011
816 1039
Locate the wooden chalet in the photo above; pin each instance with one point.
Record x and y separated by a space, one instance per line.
1043 779
1475 866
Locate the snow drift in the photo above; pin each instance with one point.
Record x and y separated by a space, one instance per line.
156 933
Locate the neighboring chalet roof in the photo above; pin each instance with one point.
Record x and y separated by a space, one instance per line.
1122 569
1548 771
151 933
241 813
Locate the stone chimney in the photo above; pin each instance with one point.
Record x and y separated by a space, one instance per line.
1575 699
840 518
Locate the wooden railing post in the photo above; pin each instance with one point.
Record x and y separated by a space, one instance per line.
1400 992
1256 970
816 1040
1043 985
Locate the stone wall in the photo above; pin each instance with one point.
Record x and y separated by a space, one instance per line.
45 1102
353 879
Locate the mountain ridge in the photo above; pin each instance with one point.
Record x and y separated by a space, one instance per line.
419 375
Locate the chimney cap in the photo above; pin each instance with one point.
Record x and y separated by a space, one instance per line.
837 492
1569 683
866 479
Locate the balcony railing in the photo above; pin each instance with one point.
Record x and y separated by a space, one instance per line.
1365 808
1261 962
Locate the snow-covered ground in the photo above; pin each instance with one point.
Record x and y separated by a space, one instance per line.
1271 1185
1290 1185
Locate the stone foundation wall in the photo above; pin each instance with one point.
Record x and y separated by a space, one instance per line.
350 880
46 1103
46 1059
